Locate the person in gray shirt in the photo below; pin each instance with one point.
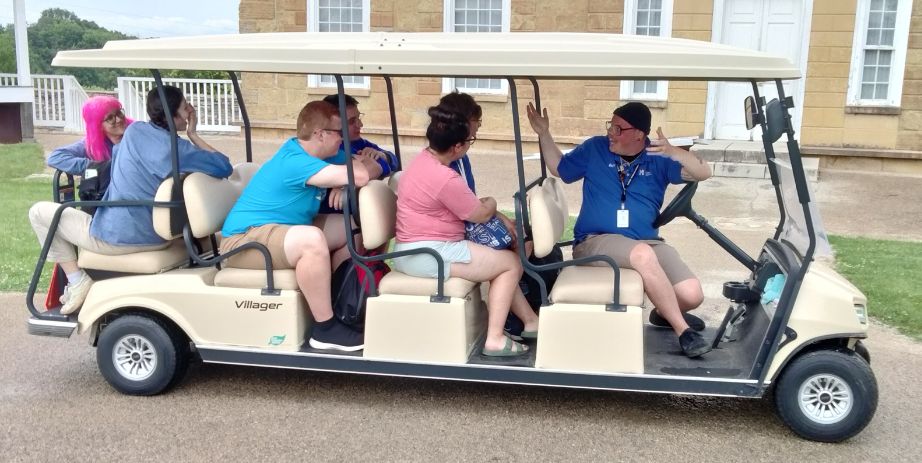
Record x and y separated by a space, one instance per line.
139 164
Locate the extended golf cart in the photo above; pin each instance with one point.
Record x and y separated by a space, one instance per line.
795 326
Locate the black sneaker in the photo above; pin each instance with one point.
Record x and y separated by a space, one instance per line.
334 335
694 322
693 344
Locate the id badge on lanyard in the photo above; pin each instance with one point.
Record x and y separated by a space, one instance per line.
623 215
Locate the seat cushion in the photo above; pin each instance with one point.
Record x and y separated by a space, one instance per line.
146 262
595 285
248 278
401 283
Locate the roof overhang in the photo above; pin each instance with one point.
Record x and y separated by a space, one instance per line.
518 55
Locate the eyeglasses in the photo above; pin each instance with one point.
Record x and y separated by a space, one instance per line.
119 114
336 131
355 120
478 122
616 129
470 141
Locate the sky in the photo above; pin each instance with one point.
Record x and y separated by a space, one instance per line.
143 18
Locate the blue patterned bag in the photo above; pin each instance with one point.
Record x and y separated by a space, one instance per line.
491 233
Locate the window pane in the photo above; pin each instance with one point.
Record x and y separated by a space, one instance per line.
655 18
891 5
654 31
867 91
885 57
484 4
869 74
875 20
877 5
496 5
890 20
873 37
881 92
886 37
643 19
883 74
643 4
656 4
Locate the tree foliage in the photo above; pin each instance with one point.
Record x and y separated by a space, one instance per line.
58 29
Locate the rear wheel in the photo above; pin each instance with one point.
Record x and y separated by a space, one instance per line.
141 355
827 396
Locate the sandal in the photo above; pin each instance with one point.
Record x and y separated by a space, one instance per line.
530 335
510 349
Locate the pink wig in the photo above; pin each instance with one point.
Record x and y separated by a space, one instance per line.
94 113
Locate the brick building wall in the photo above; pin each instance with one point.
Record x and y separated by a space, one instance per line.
579 108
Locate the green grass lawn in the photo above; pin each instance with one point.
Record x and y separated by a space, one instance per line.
17 194
888 272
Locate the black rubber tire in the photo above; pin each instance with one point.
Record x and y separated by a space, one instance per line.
848 367
168 347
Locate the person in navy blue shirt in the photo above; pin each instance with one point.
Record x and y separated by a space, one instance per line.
359 146
625 176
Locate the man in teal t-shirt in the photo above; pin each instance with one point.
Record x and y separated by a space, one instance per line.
278 208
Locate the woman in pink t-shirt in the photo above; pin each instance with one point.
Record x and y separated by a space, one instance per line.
433 202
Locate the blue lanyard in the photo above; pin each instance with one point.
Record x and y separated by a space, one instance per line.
622 175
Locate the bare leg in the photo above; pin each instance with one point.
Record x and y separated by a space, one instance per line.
657 286
523 310
689 294
503 270
307 250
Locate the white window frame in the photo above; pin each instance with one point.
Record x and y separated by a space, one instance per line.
665 30
448 25
897 66
313 25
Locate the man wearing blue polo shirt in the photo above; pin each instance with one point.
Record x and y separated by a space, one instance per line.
625 176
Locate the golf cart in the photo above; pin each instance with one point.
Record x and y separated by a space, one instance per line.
794 327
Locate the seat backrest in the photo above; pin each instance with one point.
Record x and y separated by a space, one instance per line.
161 215
394 180
378 213
209 199
547 207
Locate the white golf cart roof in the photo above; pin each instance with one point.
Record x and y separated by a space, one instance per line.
521 54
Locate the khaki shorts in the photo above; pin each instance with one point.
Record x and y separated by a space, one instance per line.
619 247
272 235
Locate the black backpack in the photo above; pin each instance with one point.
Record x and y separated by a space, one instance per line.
94 183
349 290
532 290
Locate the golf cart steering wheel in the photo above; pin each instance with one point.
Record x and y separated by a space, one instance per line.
679 206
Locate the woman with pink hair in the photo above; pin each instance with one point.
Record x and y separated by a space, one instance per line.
105 122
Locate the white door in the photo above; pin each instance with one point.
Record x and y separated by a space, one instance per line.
772 26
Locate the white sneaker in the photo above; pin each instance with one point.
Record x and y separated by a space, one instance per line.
75 294
64 297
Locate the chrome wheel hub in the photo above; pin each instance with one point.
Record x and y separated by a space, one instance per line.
134 357
825 398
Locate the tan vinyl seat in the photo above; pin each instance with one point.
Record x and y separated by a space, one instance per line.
577 326
208 201
378 207
403 304
146 262
576 284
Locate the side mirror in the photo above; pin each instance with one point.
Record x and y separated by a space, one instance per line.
753 116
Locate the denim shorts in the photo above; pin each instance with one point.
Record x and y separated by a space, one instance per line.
424 265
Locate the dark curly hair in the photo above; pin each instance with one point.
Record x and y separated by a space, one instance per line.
461 103
155 110
447 128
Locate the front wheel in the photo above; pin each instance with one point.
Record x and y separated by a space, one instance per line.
827 396
141 355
